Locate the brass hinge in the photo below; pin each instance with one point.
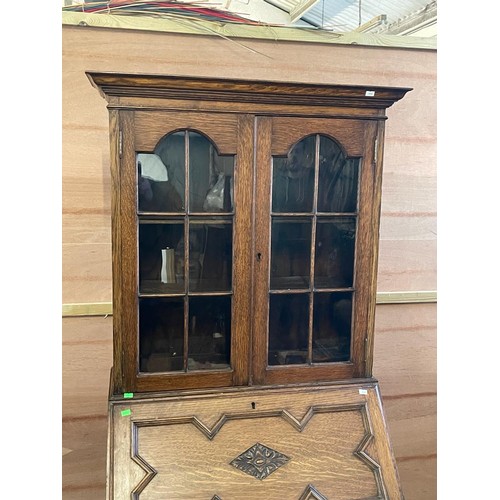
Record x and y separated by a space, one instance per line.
375 154
120 143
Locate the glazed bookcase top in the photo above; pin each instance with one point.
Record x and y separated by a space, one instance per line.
252 259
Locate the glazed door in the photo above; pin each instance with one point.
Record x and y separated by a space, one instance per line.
313 246
244 252
184 250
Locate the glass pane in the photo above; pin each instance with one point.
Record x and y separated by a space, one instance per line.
334 265
210 255
160 266
332 327
161 176
293 178
290 253
161 334
338 179
209 333
288 328
210 177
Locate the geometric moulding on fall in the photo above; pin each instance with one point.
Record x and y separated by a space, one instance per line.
259 461
311 493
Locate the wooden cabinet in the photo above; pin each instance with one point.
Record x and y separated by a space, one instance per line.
245 222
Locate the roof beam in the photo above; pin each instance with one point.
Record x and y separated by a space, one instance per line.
301 8
414 22
373 23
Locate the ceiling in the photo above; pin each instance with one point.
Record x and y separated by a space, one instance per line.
395 17
388 17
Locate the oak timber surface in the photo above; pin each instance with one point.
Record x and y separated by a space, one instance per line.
197 447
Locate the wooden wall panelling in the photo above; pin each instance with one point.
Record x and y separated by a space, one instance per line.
87 360
407 258
410 417
418 475
405 365
405 349
86 224
84 458
213 56
408 229
411 421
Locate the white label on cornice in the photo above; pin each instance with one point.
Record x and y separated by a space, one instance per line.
369 93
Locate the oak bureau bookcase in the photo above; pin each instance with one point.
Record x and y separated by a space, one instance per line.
245 218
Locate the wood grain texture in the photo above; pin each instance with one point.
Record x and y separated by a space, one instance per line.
377 155
125 255
242 247
324 432
349 133
262 247
220 129
124 86
385 450
115 128
279 109
366 252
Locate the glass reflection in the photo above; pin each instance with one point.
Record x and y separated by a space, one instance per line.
290 252
208 222
158 262
334 263
210 177
288 329
210 255
161 334
209 333
293 178
332 327
338 179
161 176
172 152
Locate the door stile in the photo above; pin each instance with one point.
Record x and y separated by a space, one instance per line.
129 255
366 243
262 248
242 252
378 129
